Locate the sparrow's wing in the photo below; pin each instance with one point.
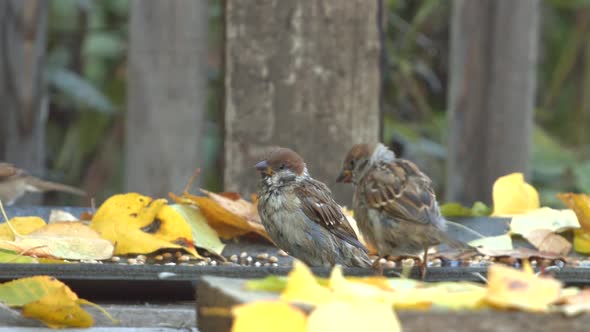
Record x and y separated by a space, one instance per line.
319 206
8 170
399 189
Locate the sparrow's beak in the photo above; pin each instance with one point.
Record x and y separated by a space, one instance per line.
345 177
263 168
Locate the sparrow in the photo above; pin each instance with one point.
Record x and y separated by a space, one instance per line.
301 216
15 182
394 203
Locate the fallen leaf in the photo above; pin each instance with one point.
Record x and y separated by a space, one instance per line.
582 241
303 287
138 224
512 195
64 240
47 299
509 288
268 316
547 241
230 217
353 317
544 218
580 203
518 253
12 257
354 291
575 304
500 242
23 225
204 236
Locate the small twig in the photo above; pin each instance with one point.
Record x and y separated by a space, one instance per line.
16 234
189 184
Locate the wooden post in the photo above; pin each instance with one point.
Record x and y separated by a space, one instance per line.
23 97
167 92
301 74
491 95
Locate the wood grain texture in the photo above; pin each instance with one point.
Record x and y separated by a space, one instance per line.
492 93
301 74
167 91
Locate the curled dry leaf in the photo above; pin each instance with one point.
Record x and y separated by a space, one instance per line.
229 214
580 203
22 225
547 241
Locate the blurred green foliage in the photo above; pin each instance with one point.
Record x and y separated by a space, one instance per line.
86 73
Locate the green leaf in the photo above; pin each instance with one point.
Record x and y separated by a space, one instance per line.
479 209
78 89
203 235
501 242
9 256
105 44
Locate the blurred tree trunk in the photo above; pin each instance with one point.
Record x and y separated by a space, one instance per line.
491 95
167 94
23 98
301 74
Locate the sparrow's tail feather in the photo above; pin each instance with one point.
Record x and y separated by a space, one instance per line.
36 184
465 228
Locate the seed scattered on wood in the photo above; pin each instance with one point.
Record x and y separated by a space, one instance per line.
273 259
170 263
233 258
177 254
282 253
249 260
391 258
184 258
213 263
167 255
382 261
389 265
115 259
266 264
257 264
274 264
141 257
132 261
243 254
158 258
262 256
202 263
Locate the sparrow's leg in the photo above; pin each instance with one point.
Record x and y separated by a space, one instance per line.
424 264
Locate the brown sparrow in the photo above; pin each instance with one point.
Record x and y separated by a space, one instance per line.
301 216
15 182
394 203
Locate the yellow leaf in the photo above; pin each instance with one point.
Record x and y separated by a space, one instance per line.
47 299
353 317
139 224
447 295
580 203
582 241
303 287
23 225
351 291
509 288
268 316
512 195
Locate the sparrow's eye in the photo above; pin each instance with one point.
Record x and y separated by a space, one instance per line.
282 167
